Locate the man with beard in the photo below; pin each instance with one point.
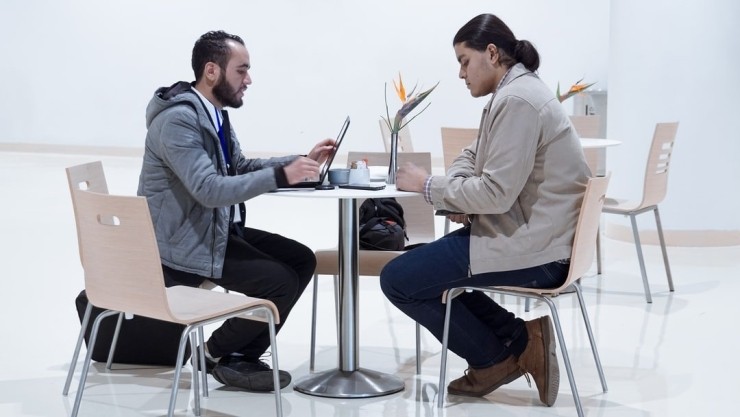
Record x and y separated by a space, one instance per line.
196 179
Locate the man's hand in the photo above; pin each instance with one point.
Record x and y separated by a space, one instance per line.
322 150
459 218
302 169
411 177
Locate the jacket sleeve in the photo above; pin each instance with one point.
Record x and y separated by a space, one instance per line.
245 165
184 148
508 151
463 165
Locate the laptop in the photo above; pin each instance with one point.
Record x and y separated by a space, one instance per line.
319 185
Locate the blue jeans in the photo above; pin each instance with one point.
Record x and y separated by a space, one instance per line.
481 331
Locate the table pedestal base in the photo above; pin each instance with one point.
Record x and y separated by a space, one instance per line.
361 383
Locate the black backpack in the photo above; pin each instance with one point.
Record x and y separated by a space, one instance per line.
382 226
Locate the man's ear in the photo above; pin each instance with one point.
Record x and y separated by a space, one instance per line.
211 72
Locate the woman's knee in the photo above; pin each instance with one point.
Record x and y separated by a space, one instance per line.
390 277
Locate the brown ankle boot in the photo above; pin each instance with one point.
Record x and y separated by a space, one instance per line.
479 382
540 360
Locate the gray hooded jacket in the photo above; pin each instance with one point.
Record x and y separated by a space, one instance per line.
184 178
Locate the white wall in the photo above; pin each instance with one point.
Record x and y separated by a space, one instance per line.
674 61
81 71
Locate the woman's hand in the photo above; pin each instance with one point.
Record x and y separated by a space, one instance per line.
322 150
411 177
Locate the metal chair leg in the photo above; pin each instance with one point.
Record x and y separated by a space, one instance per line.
451 294
202 357
591 338
275 367
88 359
598 251
640 258
195 377
76 354
312 356
526 304
418 348
113 342
178 370
564 351
663 248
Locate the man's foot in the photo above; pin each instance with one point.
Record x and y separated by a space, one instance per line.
249 375
540 360
479 382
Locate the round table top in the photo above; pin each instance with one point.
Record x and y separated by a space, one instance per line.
596 143
338 193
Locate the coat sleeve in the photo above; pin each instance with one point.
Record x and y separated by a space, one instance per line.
184 149
507 148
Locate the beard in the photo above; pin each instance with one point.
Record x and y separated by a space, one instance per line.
226 94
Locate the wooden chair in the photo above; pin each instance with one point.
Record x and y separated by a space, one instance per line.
454 139
123 273
590 127
419 217
581 258
91 177
404 138
654 191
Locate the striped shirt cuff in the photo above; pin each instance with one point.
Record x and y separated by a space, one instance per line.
428 189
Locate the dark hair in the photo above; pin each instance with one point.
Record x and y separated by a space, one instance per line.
485 29
212 47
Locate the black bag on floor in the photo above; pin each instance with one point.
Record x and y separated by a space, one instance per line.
382 226
141 341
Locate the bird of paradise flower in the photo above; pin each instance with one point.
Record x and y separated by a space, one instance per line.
574 89
408 104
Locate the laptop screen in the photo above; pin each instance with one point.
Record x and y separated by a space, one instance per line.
327 164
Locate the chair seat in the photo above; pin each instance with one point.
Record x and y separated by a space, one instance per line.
191 305
615 205
371 262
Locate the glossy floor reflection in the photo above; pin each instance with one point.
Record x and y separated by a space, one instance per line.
675 357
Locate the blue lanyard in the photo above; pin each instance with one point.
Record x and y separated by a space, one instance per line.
222 138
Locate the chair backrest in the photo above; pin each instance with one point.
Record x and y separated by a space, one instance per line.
419 214
404 138
89 176
120 255
584 242
454 139
658 164
589 127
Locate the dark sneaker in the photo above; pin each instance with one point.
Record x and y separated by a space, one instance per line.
479 382
249 375
540 360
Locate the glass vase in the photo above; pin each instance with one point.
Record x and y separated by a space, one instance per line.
393 163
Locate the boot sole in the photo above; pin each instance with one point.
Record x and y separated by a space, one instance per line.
260 381
509 378
552 369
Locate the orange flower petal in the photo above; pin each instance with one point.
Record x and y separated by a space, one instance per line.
401 89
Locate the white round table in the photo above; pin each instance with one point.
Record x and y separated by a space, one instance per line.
348 380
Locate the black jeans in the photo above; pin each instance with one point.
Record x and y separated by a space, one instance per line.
481 331
258 264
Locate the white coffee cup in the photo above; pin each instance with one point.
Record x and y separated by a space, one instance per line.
360 176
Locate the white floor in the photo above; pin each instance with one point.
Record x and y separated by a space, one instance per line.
676 357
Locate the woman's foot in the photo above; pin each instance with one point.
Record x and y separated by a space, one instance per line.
479 382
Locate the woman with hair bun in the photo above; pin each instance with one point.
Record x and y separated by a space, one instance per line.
516 190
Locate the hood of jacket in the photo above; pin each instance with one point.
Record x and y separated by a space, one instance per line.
178 93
